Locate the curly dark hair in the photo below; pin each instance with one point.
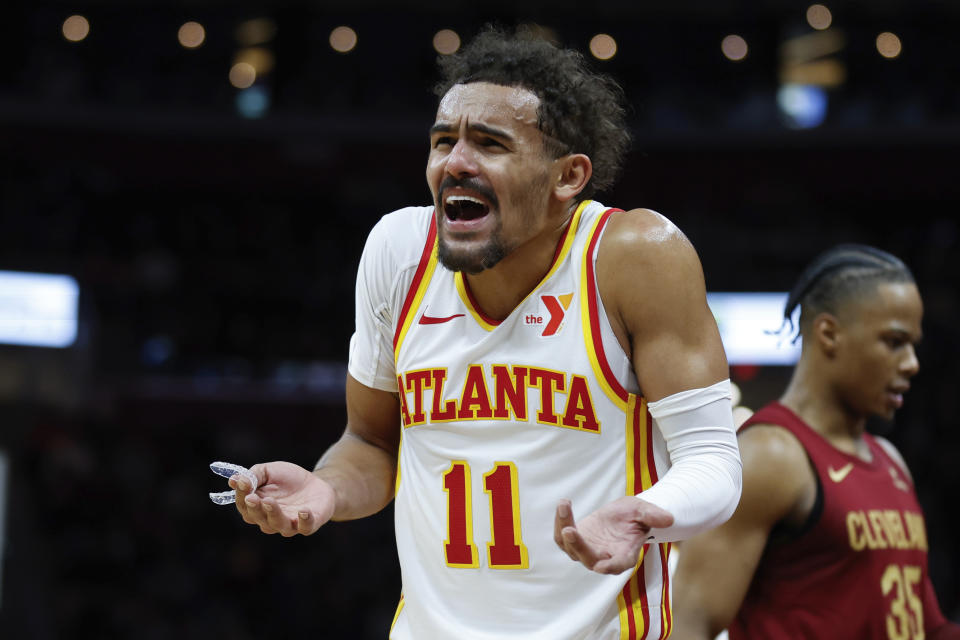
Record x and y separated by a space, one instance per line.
839 274
580 111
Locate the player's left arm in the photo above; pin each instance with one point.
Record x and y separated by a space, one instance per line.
652 287
935 624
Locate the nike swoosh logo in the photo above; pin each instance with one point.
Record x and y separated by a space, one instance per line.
425 319
837 475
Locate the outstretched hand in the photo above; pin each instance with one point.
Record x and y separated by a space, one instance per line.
609 539
288 499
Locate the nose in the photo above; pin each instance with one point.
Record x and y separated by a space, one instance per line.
461 160
910 364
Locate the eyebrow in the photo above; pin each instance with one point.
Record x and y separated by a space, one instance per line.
441 127
905 333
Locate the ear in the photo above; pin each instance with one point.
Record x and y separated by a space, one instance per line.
575 172
826 333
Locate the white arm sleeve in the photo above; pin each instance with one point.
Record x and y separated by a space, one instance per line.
702 487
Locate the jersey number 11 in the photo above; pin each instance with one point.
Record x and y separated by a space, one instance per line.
506 550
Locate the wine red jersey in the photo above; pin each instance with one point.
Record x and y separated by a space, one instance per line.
859 567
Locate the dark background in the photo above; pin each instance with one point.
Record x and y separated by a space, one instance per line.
216 254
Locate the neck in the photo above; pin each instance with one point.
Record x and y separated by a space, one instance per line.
499 289
811 396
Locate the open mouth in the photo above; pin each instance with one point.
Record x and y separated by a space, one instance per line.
464 207
895 395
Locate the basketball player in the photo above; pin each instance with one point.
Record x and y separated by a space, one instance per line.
829 540
503 337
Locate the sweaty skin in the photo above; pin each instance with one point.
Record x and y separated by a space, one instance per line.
485 146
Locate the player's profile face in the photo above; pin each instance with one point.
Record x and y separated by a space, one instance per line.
489 174
878 337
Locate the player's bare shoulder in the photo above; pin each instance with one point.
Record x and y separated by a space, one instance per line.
777 478
645 238
773 446
649 273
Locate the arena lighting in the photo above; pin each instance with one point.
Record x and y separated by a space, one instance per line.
810 47
821 73
803 106
242 75
819 17
256 31
603 46
253 102
889 45
260 58
446 41
749 324
734 47
38 309
76 28
343 39
191 35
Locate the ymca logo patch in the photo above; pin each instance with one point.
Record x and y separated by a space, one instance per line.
553 310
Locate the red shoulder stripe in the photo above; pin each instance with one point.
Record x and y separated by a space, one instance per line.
593 301
417 277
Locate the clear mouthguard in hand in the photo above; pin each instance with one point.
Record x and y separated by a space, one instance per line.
228 470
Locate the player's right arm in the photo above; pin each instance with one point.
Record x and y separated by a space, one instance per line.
362 466
356 476
353 479
715 567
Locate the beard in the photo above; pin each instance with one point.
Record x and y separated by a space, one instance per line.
496 248
475 260
472 262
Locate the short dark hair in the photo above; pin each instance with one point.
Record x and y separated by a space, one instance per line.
580 111
839 274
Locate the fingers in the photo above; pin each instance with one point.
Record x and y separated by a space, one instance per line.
613 566
306 523
563 518
283 498
568 538
278 520
272 518
242 488
561 521
578 549
255 509
652 516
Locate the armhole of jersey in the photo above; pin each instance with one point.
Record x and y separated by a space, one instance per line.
428 262
787 533
590 299
641 466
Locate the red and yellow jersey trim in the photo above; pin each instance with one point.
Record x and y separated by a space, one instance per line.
632 602
425 269
666 609
396 481
563 249
639 462
466 295
640 467
640 474
634 606
590 314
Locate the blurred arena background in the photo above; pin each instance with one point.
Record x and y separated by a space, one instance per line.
205 172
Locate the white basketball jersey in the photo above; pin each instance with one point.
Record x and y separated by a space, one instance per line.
501 420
